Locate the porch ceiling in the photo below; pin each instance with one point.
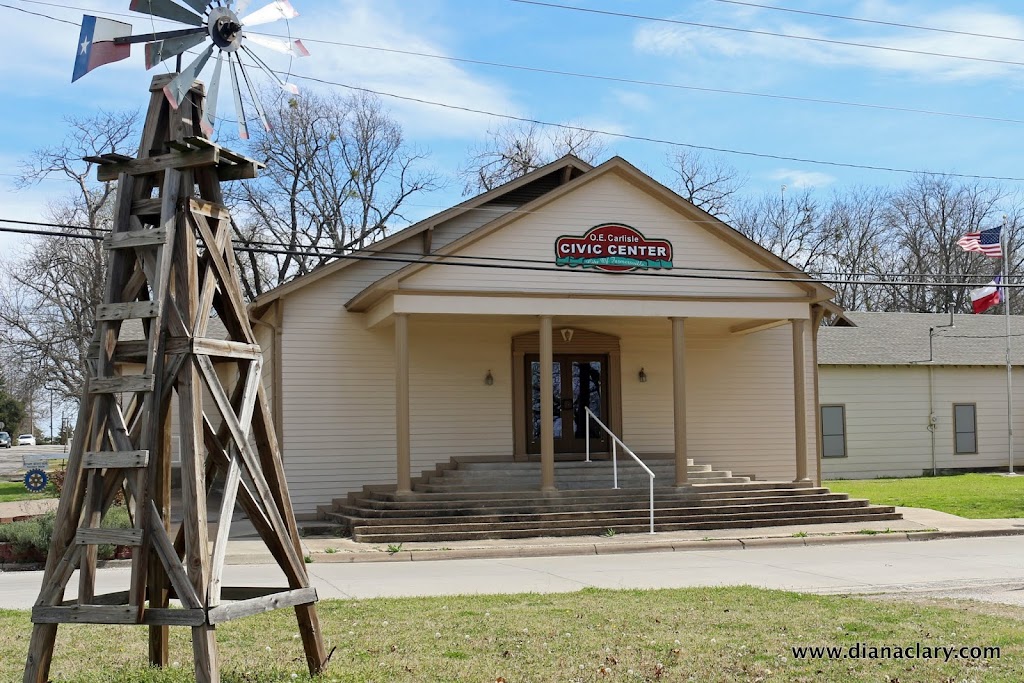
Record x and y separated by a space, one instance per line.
766 309
701 327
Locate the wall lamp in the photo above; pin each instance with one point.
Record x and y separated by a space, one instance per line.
489 379
642 376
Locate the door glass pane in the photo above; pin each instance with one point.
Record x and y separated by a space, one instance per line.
833 447
831 420
965 442
556 396
556 390
964 418
586 392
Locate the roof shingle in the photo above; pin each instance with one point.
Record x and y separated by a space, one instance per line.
902 339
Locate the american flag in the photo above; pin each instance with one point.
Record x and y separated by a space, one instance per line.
986 242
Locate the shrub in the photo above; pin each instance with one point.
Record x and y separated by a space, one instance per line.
59 475
34 535
30 535
57 478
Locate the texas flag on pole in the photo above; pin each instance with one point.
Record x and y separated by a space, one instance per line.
96 44
986 297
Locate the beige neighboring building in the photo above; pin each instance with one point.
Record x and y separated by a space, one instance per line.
484 330
906 394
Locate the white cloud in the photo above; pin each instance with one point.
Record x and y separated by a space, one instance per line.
631 99
676 41
399 27
800 180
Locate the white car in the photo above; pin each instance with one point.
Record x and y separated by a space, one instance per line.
26 440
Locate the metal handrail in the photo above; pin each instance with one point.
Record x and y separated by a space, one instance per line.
616 441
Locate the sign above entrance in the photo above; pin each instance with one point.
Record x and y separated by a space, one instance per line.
613 248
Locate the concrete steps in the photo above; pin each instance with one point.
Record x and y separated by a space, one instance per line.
367 507
525 476
489 500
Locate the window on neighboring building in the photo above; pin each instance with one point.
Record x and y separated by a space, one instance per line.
965 427
833 431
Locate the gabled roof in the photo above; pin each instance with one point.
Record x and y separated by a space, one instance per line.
567 163
633 175
902 339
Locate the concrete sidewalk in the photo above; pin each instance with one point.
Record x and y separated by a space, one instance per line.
918 524
21 509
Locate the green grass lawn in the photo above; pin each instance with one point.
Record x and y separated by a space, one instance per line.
11 491
705 635
976 496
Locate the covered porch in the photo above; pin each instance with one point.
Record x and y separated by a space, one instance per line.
674 376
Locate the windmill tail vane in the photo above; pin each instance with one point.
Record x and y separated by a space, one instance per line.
218 30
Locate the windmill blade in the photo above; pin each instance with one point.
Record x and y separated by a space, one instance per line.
240 6
210 113
243 128
289 87
255 98
282 45
278 9
179 87
165 49
198 5
167 10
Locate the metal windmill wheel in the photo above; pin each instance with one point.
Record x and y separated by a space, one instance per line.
219 28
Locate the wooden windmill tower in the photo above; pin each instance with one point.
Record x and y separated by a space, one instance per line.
171 267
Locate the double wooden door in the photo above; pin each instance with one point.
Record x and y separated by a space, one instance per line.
578 382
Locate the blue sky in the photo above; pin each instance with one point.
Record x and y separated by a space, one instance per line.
37 92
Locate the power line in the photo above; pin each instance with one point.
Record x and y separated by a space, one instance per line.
879 22
643 138
655 84
37 14
478 263
790 36
660 141
319 250
642 17
329 251
618 79
89 9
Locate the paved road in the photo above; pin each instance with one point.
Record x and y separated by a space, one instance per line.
986 568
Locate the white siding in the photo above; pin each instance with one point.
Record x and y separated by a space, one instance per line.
338 384
887 418
739 401
608 198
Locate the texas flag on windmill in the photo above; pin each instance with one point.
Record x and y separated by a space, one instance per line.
96 45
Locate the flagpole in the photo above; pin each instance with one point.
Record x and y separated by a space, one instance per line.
1009 366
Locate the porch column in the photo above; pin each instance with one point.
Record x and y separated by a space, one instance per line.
679 396
800 397
547 408
404 477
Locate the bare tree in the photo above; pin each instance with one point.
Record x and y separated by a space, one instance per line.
857 247
47 304
705 182
926 218
789 227
514 149
338 173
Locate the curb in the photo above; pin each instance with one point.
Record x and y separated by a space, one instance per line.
584 549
